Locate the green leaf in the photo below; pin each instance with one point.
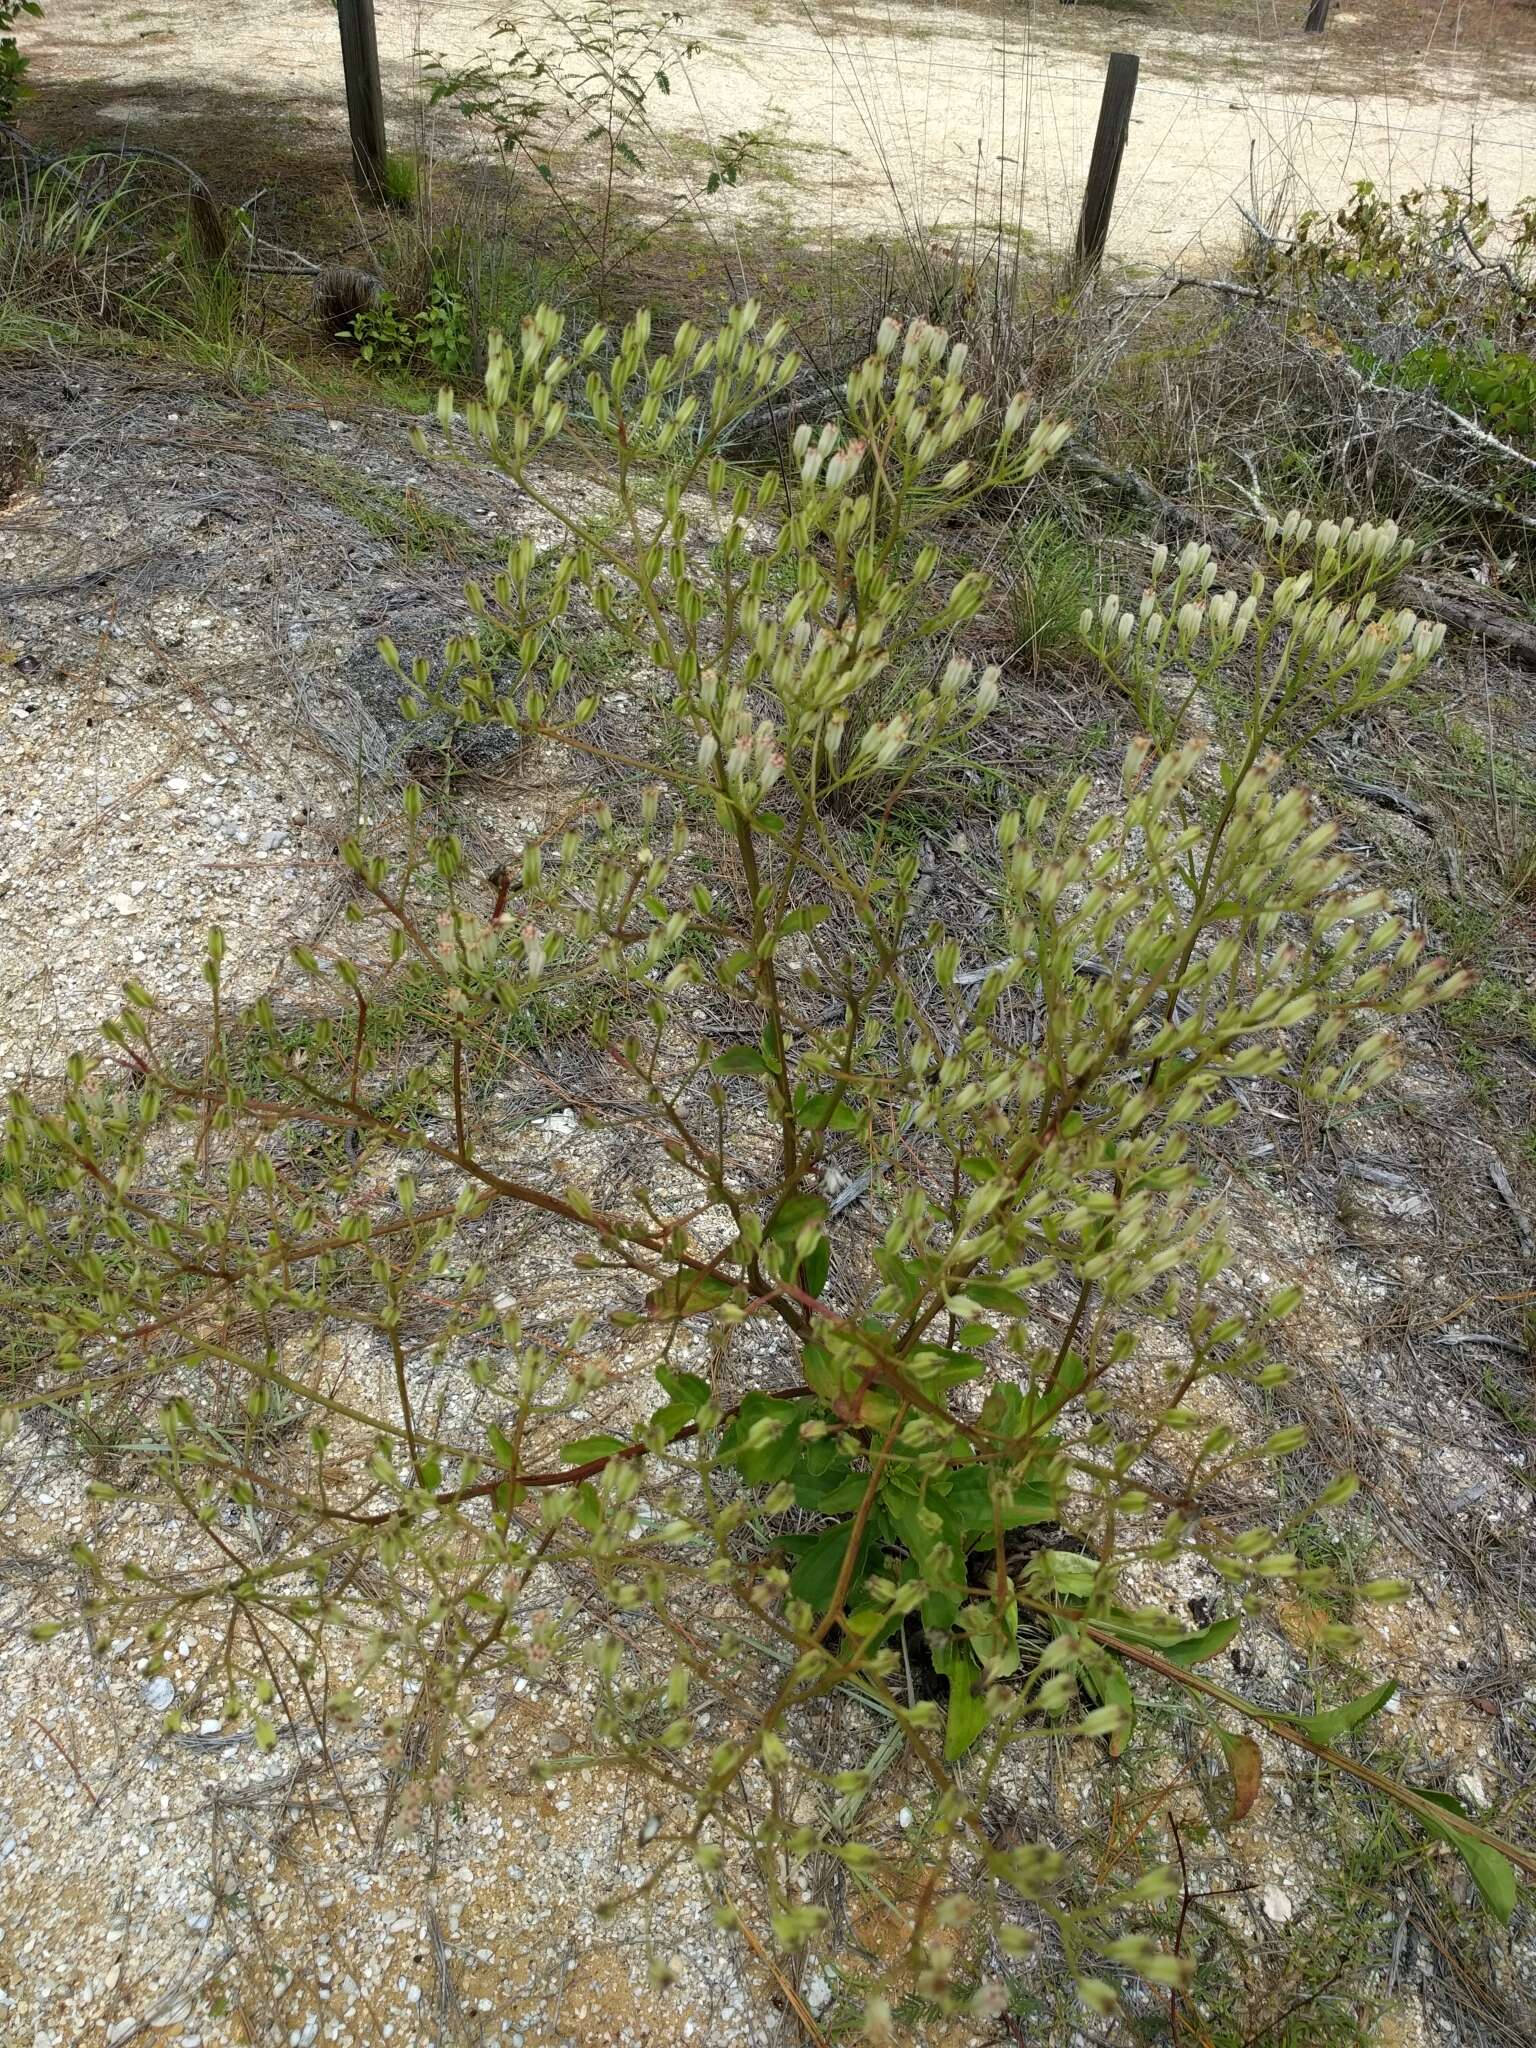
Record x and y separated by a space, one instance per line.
687 1293
1340 1720
987 1294
1189 1651
944 1575
1068 1571
825 1112
1071 1375
969 1495
814 1266
1028 1504
806 919
741 1059
814 1578
795 1211
823 1374
993 1637
936 1368
1003 1410
686 1388
902 1276
833 1492
589 1509
586 1448
967 1716
1492 1873
786 1224
1184 1650
1111 1688
763 1464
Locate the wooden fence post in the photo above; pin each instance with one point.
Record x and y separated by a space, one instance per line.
1317 16
365 94
1108 148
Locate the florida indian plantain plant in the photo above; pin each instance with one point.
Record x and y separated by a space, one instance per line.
955 1365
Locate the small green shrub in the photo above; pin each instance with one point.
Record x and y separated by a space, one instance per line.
1498 386
578 113
1434 295
434 340
13 61
1440 261
1037 1329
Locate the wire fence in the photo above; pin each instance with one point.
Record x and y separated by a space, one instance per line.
946 118
902 116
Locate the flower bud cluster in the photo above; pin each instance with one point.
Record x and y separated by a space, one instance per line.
1341 647
1358 554
910 392
744 754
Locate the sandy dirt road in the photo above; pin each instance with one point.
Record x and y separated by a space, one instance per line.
876 118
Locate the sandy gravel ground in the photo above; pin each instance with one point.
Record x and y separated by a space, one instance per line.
187 630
